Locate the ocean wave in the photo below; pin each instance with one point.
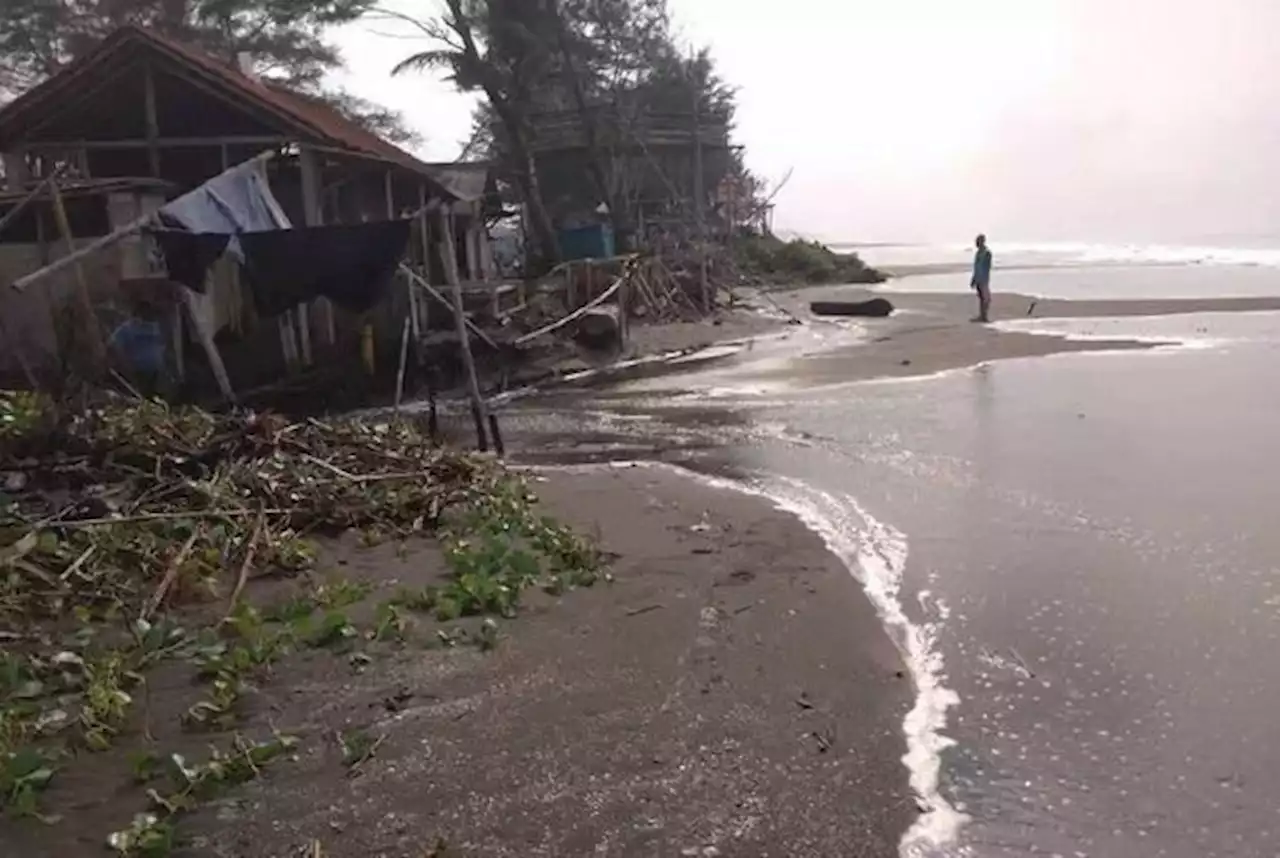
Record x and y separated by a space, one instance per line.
1152 254
1061 253
876 555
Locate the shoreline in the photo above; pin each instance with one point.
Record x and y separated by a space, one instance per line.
732 691
702 675
929 333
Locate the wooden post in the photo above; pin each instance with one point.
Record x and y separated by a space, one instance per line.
624 306
698 192
97 345
571 287
425 225
404 358
175 329
313 215
206 340
153 122
450 257
472 242
288 345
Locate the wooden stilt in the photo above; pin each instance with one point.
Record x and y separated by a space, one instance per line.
97 343
450 257
206 341
404 359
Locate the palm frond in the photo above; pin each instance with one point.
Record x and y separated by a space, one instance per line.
428 61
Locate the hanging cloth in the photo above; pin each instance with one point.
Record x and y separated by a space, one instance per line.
352 265
235 201
189 255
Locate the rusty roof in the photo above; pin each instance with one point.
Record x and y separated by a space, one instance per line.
314 121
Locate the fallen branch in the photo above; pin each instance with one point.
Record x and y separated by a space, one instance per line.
249 553
170 575
172 516
79 562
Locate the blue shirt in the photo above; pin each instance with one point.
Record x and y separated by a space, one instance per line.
142 344
982 267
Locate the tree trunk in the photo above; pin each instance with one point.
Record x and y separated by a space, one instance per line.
527 180
619 217
517 133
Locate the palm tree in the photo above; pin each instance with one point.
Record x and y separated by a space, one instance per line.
492 46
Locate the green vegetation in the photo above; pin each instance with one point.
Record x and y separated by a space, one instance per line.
788 262
165 519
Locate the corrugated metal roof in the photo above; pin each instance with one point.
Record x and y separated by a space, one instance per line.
317 122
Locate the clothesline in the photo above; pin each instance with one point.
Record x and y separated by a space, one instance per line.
112 238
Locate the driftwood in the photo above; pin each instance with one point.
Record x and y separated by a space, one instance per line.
876 308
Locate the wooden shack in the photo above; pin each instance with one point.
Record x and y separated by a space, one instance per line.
141 119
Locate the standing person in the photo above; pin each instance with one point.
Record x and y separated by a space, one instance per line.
139 345
982 278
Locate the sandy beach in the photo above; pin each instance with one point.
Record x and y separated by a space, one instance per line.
731 692
1086 576
929 332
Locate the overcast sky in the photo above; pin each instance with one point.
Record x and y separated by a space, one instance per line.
1089 120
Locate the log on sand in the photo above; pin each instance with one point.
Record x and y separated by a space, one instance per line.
876 308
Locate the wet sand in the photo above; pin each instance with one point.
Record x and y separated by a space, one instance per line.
732 692
933 332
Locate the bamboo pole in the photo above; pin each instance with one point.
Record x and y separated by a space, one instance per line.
434 293
404 359
97 345
450 257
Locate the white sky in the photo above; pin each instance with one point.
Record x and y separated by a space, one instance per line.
1090 120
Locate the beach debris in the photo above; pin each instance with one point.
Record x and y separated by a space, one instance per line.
118 492
826 739
358 747
635 612
871 308
136 535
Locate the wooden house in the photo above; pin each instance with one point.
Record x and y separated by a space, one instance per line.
142 119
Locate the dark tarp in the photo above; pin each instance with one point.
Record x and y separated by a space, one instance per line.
352 265
188 255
